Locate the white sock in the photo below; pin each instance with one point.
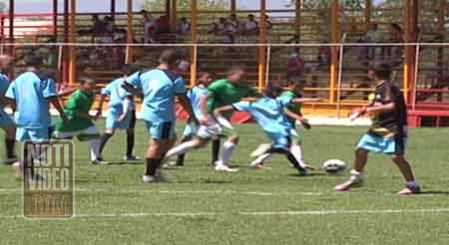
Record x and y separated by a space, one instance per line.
297 152
226 151
261 159
356 176
181 149
94 149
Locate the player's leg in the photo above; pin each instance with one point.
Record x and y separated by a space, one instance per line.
188 134
226 151
162 134
8 126
411 186
282 144
111 125
367 144
10 143
93 136
215 150
37 139
130 138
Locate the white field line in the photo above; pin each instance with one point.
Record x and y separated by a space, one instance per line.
255 213
184 192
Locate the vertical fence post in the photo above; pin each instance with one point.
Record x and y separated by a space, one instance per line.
129 33
194 48
72 39
262 48
334 50
11 25
415 88
339 80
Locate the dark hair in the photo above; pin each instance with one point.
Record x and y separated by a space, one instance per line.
83 79
382 71
273 90
169 56
129 69
236 68
396 26
33 60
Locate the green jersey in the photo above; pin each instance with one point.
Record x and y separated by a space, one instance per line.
223 93
296 108
78 102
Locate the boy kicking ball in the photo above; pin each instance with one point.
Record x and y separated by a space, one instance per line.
79 122
387 135
268 112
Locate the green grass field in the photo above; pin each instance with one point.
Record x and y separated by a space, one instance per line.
200 206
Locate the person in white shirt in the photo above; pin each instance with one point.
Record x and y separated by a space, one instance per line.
183 26
251 26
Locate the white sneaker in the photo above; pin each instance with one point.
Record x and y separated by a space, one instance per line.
225 168
149 179
262 149
18 170
349 184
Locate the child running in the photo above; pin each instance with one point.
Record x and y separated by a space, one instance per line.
194 94
121 112
79 122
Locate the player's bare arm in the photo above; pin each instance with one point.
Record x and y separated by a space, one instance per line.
298 118
219 111
305 100
57 105
100 105
185 103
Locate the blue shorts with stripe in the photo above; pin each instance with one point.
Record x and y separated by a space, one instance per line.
394 145
161 131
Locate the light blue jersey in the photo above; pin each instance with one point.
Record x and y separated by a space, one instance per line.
194 95
269 114
31 94
159 89
117 94
4 84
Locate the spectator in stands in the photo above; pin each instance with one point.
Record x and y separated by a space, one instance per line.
372 36
324 55
184 26
233 20
268 23
99 27
251 26
394 53
149 27
109 29
295 67
163 25
230 33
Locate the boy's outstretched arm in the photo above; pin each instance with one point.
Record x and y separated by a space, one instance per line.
305 100
219 111
298 117
100 105
371 108
185 103
55 102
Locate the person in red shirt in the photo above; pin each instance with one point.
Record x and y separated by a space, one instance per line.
295 67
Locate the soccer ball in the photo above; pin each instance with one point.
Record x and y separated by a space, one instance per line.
334 166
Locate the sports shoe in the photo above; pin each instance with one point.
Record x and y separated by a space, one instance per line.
262 149
11 161
148 179
303 172
18 170
346 186
225 168
131 158
410 190
99 161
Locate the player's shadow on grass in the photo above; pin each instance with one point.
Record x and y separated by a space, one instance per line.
308 175
126 163
435 193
